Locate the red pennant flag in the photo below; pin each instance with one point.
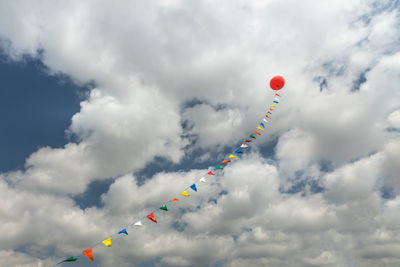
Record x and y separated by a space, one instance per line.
267 116
226 161
151 217
271 109
174 199
88 253
210 173
247 141
277 95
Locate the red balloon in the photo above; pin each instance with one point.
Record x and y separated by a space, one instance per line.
277 83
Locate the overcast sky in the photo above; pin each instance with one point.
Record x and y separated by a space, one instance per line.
109 109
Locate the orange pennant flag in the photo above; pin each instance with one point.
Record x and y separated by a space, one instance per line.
174 199
257 132
88 253
226 161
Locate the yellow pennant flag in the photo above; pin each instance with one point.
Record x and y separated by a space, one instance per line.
260 128
232 157
273 106
107 242
184 193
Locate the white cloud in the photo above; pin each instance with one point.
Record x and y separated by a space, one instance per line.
148 61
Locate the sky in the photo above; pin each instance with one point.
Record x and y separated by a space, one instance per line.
110 109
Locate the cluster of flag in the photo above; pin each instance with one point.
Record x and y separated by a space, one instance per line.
192 188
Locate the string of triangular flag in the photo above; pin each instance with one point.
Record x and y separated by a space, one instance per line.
203 179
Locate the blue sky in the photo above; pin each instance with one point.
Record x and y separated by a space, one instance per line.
110 110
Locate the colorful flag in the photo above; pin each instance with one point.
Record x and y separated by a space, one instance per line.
174 199
265 120
244 146
68 260
185 193
226 161
262 124
252 136
269 112
219 167
194 188
273 105
164 207
276 102
267 116
232 157
107 242
151 217
271 109
277 95
203 179
247 141
123 231
210 173
257 132
237 151
89 254
262 129
138 224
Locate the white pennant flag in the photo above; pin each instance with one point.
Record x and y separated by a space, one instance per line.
203 179
244 146
265 120
139 223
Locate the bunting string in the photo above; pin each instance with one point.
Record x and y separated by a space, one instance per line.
88 253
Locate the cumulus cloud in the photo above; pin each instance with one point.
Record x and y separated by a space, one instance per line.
173 77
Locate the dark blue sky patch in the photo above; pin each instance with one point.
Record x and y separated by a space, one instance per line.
35 109
300 186
92 196
322 81
387 192
360 80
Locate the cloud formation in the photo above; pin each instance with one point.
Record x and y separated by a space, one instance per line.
173 78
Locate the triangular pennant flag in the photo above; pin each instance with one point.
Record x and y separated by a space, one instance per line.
269 112
257 132
174 199
107 242
203 179
219 167
123 231
164 207
244 146
69 260
277 95
276 102
267 116
232 157
247 141
265 120
194 188
260 128
151 217
138 224
226 161
210 173
271 109
252 136
185 193
273 105
237 151
262 124
89 254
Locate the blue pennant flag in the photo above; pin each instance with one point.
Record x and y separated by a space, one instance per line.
193 186
276 102
123 231
262 124
237 151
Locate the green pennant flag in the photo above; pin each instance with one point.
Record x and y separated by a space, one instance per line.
252 136
219 167
69 259
164 208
